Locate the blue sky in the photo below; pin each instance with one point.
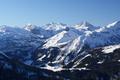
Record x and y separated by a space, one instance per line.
39 12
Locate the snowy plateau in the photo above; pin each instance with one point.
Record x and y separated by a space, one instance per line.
58 51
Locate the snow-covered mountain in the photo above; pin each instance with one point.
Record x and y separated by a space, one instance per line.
47 30
73 42
97 62
18 43
61 38
85 26
92 35
107 35
68 39
55 26
39 31
55 49
72 33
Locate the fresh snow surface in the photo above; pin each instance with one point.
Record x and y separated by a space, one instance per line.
40 59
60 68
100 62
110 49
74 44
119 60
52 68
78 62
61 38
112 24
100 29
104 36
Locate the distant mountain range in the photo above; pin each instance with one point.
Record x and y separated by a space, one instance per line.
57 51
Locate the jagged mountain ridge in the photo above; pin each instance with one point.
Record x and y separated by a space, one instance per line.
61 48
69 39
71 45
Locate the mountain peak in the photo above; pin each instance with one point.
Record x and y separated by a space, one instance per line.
61 38
116 23
55 26
29 27
85 26
85 23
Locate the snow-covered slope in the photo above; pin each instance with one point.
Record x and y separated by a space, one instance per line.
72 38
102 66
72 50
61 48
72 43
61 38
69 42
107 35
110 49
